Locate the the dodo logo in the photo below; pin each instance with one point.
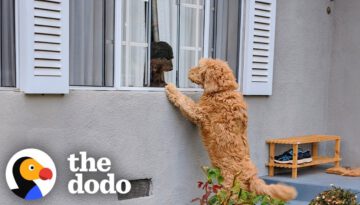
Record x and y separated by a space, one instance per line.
31 174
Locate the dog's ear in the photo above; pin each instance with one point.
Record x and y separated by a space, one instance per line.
154 65
218 76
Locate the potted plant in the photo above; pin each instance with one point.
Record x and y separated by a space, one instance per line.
216 194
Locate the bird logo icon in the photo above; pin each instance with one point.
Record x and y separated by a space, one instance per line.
31 174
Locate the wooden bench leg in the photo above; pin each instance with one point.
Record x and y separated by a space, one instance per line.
315 150
337 152
271 159
294 164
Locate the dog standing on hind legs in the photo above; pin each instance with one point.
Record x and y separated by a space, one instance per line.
221 115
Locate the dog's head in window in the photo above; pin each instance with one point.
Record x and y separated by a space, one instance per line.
161 61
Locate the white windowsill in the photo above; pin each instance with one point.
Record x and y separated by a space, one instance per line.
131 89
90 88
9 89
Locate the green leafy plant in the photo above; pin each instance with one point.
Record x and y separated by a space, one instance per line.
216 194
335 196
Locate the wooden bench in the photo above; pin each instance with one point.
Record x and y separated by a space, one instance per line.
295 142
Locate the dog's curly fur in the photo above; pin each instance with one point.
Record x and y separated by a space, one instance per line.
222 117
344 171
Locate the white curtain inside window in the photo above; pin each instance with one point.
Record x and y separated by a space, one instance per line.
186 28
182 30
167 24
191 38
226 32
134 42
91 42
7 43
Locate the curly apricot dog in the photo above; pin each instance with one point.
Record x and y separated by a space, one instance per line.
222 117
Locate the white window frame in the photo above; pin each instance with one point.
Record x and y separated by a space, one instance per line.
117 51
118 44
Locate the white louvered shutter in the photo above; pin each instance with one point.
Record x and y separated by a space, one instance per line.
259 47
44 46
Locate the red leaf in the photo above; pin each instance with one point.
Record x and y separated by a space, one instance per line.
216 188
196 199
205 186
200 183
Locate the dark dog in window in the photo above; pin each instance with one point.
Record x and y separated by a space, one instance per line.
161 56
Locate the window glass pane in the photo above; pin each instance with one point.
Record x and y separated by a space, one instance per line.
167 21
175 35
188 59
135 24
91 42
191 26
7 43
192 2
191 38
227 32
134 67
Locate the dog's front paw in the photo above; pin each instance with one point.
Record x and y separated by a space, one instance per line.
172 93
170 88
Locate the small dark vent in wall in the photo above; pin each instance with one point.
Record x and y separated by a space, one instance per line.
139 188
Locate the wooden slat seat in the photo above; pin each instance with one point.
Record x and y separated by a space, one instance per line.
304 139
308 139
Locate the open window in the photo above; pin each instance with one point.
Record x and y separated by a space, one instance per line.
161 40
191 28
92 43
137 44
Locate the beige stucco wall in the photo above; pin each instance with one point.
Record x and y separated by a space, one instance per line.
145 137
344 84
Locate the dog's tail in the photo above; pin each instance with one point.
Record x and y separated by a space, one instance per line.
277 191
344 171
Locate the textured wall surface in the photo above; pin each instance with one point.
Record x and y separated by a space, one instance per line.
301 73
141 133
145 137
344 85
